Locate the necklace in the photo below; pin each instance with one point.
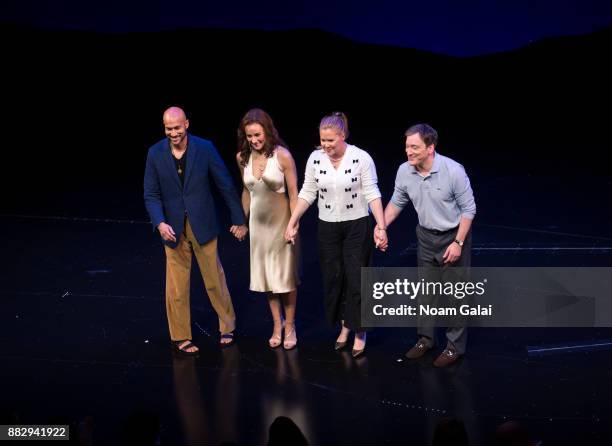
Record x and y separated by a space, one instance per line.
180 161
336 161
260 164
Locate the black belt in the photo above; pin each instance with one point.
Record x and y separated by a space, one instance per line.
438 232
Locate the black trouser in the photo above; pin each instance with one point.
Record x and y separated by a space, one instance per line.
431 248
344 247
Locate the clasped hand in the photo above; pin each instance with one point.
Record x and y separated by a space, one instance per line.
239 231
380 239
291 232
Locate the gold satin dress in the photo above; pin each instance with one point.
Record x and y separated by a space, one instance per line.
274 262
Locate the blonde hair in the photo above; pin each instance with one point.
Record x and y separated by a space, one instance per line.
335 120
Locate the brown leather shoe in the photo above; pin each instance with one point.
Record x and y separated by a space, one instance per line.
446 358
419 349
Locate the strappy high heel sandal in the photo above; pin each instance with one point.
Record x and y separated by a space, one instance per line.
291 337
276 339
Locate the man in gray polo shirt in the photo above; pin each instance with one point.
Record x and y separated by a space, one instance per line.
442 196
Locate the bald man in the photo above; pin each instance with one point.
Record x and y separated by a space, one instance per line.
178 198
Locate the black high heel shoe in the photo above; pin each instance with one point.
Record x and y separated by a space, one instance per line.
357 353
340 345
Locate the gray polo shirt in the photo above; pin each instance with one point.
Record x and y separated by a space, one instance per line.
440 198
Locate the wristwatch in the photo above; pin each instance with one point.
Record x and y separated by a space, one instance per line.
459 242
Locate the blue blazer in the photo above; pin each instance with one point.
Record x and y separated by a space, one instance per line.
167 200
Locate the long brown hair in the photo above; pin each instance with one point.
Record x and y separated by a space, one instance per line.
258 116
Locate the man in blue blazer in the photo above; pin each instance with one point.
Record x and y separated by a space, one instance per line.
178 198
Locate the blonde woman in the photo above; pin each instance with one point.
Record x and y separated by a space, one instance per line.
343 179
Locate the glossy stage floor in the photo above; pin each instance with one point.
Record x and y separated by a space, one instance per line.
84 339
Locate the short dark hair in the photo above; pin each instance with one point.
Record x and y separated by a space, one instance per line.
428 133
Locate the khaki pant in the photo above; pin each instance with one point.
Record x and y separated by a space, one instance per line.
178 273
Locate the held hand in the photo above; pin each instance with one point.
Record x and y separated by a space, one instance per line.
166 232
244 231
452 253
239 231
291 232
380 239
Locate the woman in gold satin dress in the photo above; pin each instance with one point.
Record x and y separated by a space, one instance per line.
268 197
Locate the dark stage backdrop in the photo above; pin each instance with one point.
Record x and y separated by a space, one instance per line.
80 110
